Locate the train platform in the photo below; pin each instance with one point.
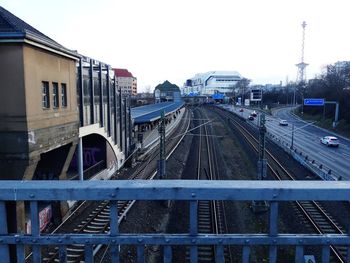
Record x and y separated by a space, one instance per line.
146 119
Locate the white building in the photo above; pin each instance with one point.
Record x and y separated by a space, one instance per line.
211 82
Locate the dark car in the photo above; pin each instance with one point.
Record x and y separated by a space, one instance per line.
251 118
241 110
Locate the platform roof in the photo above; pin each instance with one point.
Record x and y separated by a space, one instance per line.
152 112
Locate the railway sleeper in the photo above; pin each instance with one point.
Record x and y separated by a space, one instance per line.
91 231
95 227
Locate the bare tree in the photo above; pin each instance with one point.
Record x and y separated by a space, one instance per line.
242 86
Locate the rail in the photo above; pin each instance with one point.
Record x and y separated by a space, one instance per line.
189 190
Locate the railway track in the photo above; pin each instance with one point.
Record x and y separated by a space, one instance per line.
98 219
312 211
211 216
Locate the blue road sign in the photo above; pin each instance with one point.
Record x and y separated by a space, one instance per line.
218 96
313 102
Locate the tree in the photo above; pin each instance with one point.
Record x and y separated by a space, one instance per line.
242 86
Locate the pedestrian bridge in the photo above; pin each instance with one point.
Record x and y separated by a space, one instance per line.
188 190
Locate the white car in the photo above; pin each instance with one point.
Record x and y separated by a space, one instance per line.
330 141
283 123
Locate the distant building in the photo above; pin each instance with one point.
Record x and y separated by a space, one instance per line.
126 82
167 92
211 83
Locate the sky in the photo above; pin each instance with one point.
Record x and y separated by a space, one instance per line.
160 40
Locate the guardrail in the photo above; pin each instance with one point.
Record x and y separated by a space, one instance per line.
189 190
312 165
319 169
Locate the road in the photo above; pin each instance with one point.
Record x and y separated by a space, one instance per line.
307 140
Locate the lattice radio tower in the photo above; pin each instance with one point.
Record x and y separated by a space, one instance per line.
301 76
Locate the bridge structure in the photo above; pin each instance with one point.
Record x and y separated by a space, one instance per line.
191 191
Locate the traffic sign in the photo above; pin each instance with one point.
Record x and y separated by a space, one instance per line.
314 102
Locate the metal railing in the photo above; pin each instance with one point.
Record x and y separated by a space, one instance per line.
189 190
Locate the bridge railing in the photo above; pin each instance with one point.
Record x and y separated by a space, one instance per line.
191 191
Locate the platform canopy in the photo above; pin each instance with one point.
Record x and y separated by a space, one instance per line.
152 112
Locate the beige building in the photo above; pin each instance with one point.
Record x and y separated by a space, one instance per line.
126 82
38 104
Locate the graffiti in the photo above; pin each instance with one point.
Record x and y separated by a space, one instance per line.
45 216
91 156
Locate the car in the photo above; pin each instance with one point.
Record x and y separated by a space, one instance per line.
254 113
241 110
283 123
251 118
330 141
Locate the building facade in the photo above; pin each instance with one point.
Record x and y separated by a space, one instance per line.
52 101
167 92
126 82
211 82
38 103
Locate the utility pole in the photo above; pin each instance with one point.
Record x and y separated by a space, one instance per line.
261 206
161 161
262 161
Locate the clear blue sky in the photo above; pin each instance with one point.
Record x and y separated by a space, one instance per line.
161 39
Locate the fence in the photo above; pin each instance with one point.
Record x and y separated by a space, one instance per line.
190 190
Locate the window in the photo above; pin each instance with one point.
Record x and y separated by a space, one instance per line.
64 95
55 94
45 95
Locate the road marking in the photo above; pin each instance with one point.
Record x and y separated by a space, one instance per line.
345 154
325 156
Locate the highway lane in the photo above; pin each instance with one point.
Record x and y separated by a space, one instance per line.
306 140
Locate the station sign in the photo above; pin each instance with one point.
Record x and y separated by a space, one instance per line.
314 102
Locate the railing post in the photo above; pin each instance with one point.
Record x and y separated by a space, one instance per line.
140 254
89 254
245 254
4 249
35 229
167 254
219 253
62 254
114 229
325 254
299 253
193 230
273 230
348 250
